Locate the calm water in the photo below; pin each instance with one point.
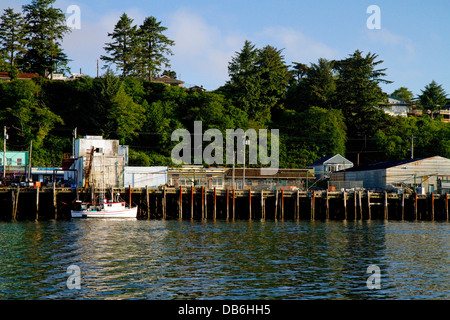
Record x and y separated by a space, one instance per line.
132 259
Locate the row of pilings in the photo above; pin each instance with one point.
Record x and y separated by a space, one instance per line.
191 203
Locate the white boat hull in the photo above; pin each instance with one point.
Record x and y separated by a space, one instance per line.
124 213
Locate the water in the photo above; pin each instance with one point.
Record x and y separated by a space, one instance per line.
133 259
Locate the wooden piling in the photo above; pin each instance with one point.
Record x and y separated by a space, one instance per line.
263 210
234 205
313 205
432 206
298 204
386 210
276 205
37 203
228 204
206 203
355 205
446 205
250 204
129 195
55 205
327 203
360 204
282 205
368 205
215 204
345 204
15 203
203 202
164 204
192 203
415 206
180 206
403 206
147 198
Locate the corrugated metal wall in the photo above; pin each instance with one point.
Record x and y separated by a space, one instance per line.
425 172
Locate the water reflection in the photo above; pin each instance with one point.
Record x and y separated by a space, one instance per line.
132 259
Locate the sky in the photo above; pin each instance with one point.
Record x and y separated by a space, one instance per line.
412 37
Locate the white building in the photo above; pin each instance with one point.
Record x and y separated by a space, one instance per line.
326 165
432 174
98 161
145 176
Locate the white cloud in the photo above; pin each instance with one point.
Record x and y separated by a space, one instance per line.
201 50
297 46
393 41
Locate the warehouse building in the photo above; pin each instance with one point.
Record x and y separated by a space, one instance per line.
423 175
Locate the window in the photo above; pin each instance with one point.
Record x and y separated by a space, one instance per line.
8 161
19 162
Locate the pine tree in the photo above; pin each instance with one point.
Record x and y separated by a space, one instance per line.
46 27
12 38
122 49
153 48
433 96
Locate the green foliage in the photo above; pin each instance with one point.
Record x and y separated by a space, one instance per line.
325 135
28 118
122 49
12 38
258 81
153 48
403 93
433 96
45 27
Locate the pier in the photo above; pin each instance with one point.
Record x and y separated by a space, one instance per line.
199 203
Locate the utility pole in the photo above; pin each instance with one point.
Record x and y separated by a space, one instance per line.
97 68
74 132
412 147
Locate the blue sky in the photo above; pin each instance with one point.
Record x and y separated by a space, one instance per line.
413 40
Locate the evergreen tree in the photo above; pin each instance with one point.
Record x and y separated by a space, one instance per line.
403 93
153 48
12 38
315 87
433 96
122 49
46 27
358 90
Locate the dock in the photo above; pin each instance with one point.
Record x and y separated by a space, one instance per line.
199 203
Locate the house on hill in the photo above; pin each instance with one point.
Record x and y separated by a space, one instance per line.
168 81
4 76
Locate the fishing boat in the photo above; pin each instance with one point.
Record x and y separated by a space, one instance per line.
103 210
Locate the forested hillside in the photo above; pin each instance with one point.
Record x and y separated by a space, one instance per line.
320 108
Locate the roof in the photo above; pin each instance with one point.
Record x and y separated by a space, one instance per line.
19 76
326 160
382 165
